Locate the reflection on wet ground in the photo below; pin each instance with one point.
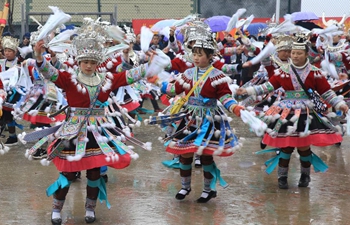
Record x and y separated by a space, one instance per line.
144 192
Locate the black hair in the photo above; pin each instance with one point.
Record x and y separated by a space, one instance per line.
207 51
252 36
189 44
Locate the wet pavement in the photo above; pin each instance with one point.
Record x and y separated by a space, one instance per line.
144 192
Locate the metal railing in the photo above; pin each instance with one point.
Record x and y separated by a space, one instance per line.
43 17
28 25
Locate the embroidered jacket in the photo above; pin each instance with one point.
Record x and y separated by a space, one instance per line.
311 76
77 92
215 86
183 62
110 64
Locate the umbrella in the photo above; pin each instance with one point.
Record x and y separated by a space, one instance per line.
308 25
179 36
254 28
217 23
297 16
162 24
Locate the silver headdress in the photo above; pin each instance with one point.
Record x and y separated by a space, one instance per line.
340 46
205 43
10 42
129 36
271 23
88 44
105 25
34 37
191 31
301 42
35 34
204 38
284 42
199 32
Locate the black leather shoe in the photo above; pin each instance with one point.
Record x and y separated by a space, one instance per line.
262 145
90 219
105 177
182 195
283 182
56 221
304 180
211 194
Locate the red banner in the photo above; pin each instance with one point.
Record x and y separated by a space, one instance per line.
138 23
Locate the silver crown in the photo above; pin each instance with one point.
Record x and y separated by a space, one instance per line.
194 29
284 42
204 38
271 23
88 44
10 42
129 34
301 41
105 25
199 32
34 37
205 43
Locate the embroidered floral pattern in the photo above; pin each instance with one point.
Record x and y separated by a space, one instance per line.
331 97
135 74
48 71
229 68
263 88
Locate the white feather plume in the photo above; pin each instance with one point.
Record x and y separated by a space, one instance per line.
240 23
62 37
183 21
165 31
116 33
256 125
329 29
62 47
159 62
286 26
248 21
36 21
146 37
54 21
25 50
288 17
115 48
266 52
234 19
